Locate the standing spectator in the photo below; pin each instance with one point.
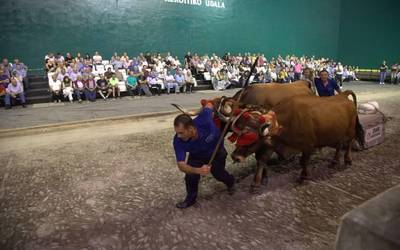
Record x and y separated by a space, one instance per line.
79 88
339 74
382 73
103 89
393 73
14 90
113 83
90 89
298 68
7 67
68 88
131 84
4 81
55 88
20 70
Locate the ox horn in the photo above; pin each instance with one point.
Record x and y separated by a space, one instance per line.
191 113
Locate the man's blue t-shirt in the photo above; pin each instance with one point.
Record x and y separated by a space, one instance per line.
328 90
204 145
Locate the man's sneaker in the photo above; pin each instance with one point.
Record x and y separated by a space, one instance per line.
185 204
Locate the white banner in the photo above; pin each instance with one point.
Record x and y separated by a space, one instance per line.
202 3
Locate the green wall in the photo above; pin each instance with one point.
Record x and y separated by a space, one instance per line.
369 32
30 29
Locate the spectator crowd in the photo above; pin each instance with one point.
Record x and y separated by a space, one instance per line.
90 77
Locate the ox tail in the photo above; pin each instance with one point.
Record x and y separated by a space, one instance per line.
349 92
360 134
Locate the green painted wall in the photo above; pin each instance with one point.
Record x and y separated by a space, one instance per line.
30 29
369 32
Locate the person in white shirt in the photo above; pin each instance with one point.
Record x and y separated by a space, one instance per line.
339 74
55 88
97 59
170 82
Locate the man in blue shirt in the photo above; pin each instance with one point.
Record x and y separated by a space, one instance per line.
325 85
199 137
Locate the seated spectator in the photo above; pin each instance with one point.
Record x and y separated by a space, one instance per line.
88 61
50 66
69 58
326 86
180 80
189 81
97 59
283 76
117 63
131 84
68 88
108 74
55 88
59 59
4 81
90 89
144 85
113 84
14 90
61 74
153 84
79 88
170 82
74 74
220 81
103 88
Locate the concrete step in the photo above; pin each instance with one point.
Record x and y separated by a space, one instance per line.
39 85
37 79
37 92
39 99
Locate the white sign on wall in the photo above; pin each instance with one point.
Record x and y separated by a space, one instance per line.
205 3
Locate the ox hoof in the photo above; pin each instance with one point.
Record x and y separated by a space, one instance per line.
303 179
348 162
255 189
264 181
334 164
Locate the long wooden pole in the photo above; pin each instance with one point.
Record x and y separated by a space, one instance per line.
222 136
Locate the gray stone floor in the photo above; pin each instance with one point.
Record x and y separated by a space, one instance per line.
111 189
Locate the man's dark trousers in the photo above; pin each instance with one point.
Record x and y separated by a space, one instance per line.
217 170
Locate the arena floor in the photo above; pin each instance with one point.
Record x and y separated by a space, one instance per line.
114 186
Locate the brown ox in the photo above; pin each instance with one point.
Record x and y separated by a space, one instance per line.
260 95
300 124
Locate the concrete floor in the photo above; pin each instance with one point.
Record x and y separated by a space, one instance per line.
114 186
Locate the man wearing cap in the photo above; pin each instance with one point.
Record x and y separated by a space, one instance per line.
199 138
